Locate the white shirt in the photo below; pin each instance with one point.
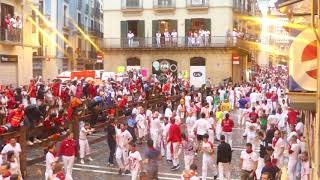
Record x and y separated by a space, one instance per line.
273 119
207 33
209 100
134 160
208 145
9 147
188 100
155 124
141 121
83 133
158 35
50 159
123 138
166 34
13 22
135 111
278 148
202 126
190 122
168 113
299 127
249 160
130 35
174 34
294 155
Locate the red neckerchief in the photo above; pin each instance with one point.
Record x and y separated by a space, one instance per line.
274 141
290 151
61 175
269 164
53 153
249 151
8 174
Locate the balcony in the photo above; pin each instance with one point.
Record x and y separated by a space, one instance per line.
131 5
95 33
164 5
197 4
11 37
162 43
79 5
87 9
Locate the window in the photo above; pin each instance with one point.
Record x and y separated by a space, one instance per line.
133 61
132 3
79 20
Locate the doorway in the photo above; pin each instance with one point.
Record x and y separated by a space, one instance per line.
133 27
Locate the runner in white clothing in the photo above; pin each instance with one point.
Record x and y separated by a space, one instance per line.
135 162
83 142
123 139
155 127
50 161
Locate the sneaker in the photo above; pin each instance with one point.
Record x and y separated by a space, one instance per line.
173 168
82 161
127 172
111 165
120 172
37 140
177 167
169 160
90 159
30 143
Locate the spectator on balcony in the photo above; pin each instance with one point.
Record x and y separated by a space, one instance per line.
206 37
196 39
201 37
5 25
130 37
167 37
18 28
174 36
13 25
190 34
234 36
158 38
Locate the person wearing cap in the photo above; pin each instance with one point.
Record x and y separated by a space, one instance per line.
224 156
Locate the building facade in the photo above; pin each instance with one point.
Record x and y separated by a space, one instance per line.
17 42
71 32
137 36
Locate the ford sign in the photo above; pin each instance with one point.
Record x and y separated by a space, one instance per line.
197 74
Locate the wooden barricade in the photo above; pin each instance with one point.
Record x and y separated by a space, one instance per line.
23 133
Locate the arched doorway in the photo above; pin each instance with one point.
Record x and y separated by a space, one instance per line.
197 71
133 63
162 66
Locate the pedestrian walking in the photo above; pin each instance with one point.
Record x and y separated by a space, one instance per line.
135 162
51 159
83 142
224 155
188 147
111 138
174 139
227 126
207 158
68 150
152 161
123 138
248 163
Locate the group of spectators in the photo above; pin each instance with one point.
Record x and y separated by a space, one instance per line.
11 28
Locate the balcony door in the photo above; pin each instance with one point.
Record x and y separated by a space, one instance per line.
195 25
161 26
137 28
132 3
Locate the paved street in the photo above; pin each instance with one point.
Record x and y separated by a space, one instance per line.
98 169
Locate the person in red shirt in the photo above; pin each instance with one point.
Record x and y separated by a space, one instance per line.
174 138
16 116
68 150
253 116
227 125
292 116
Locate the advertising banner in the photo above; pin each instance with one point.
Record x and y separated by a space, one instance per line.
197 75
83 74
303 62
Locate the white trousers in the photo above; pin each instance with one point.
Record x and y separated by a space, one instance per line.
134 175
176 152
122 154
292 169
211 135
163 147
155 136
206 164
84 148
188 160
228 136
33 101
68 162
260 166
224 171
169 154
48 174
218 131
241 121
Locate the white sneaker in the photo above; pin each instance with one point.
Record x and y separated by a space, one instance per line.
82 161
30 143
90 159
37 140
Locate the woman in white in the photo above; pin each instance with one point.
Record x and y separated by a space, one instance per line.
14 164
83 142
50 161
293 150
135 162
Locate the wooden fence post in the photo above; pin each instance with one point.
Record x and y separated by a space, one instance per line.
75 126
23 155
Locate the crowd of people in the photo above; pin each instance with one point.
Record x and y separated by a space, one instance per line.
200 125
11 28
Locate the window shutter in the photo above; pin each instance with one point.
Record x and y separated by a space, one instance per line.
207 24
155 29
141 33
124 32
187 29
